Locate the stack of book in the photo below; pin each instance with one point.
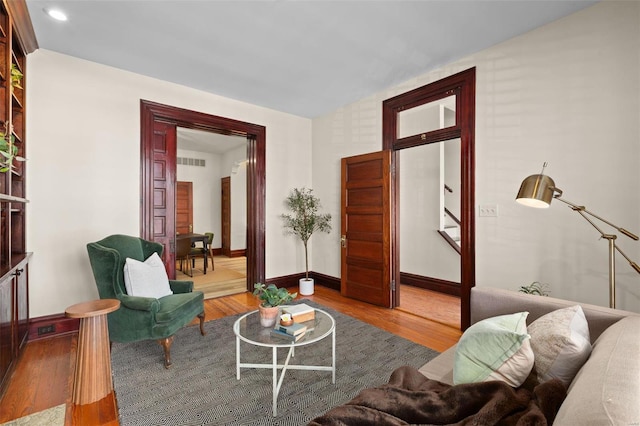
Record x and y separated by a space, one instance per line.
293 332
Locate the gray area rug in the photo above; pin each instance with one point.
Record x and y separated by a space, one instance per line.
201 388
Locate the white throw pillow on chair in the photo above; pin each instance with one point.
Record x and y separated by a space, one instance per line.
146 279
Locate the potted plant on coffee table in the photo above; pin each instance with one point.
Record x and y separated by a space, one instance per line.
271 298
303 221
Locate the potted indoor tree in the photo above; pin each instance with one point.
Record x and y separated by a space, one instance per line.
271 298
303 221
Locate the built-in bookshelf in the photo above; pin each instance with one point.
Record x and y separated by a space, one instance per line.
17 39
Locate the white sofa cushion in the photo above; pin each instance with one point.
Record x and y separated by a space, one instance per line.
440 368
605 391
560 343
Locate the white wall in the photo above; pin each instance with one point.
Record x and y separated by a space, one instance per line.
422 250
206 191
83 178
422 178
567 93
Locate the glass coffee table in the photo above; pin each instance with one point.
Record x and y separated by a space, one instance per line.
247 328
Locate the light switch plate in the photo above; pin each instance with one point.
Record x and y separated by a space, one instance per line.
488 210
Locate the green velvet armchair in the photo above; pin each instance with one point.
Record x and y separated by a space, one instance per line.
141 318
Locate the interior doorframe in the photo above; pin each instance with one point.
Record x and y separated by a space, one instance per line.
255 134
463 86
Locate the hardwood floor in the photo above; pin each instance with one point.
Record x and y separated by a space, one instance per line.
228 277
43 377
431 305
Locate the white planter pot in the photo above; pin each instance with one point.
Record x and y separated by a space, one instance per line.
306 286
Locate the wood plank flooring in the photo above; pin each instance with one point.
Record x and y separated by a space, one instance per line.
229 276
43 377
439 307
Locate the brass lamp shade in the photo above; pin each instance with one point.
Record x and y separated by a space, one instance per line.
537 191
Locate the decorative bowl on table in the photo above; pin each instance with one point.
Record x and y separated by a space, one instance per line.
286 320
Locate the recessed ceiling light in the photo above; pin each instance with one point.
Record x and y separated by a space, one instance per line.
56 14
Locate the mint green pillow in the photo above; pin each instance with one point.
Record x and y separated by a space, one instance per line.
496 348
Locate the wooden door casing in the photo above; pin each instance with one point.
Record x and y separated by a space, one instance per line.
184 207
366 218
463 86
226 215
162 178
152 113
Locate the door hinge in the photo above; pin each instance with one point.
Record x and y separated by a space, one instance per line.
393 285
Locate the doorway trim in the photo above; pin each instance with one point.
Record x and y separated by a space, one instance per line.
463 85
151 112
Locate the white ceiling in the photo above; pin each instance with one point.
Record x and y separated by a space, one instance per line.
302 57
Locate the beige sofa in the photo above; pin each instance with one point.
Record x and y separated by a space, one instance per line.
606 390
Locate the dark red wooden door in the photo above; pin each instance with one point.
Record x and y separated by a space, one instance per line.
163 178
366 219
184 207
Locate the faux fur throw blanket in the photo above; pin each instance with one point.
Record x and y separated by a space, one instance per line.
412 399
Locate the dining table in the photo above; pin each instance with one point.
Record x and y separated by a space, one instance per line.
194 237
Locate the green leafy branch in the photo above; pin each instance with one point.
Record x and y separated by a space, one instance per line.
8 149
536 288
271 295
16 76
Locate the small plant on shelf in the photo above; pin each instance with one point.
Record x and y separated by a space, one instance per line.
8 149
536 288
16 76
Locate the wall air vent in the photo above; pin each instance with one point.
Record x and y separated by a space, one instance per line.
198 162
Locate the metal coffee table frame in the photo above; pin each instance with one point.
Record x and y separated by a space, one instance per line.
266 340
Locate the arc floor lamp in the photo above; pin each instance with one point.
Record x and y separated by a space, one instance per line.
538 191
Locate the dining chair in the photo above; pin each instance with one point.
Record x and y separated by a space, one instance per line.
183 254
200 251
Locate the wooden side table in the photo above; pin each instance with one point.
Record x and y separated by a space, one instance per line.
92 379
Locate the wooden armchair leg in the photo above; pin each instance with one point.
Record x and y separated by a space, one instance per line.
166 344
201 316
